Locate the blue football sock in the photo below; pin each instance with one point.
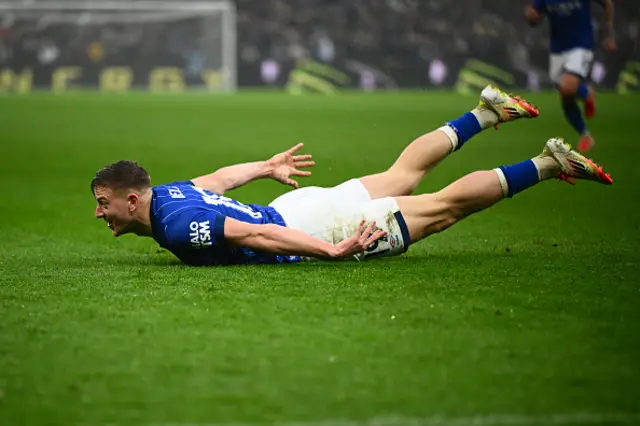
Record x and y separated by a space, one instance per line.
520 176
583 91
574 115
465 127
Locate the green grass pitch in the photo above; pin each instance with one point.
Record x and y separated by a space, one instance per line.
528 313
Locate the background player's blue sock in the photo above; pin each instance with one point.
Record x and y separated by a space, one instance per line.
465 127
518 177
574 115
583 91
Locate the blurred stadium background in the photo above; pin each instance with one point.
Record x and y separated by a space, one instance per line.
310 45
528 314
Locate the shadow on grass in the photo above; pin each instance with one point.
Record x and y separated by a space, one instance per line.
436 259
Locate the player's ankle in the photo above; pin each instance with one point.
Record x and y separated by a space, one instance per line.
465 127
517 177
486 118
547 167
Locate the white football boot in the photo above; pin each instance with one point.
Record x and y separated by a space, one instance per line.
574 165
506 106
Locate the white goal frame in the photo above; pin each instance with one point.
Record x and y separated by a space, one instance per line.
227 7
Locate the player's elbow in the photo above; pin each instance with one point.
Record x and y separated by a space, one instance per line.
270 237
281 240
266 232
258 237
532 16
533 21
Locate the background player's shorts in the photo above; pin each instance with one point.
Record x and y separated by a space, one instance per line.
575 61
333 214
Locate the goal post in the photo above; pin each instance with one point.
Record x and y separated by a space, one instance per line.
117 46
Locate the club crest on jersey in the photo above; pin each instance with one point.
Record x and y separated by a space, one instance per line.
200 234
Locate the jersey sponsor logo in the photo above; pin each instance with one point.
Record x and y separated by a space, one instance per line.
200 234
175 192
565 8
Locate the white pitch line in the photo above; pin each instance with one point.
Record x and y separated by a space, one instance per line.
484 420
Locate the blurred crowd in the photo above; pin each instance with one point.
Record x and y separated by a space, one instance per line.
391 42
391 33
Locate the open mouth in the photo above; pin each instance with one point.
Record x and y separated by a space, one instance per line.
110 224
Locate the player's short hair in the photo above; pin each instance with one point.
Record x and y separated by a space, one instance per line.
122 175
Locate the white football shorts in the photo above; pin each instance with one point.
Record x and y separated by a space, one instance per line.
575 61
333 215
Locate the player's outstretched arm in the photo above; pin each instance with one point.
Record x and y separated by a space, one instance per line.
291 242
230 177
609 36
281 167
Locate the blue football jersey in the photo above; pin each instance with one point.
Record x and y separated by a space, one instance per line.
570 23
189 222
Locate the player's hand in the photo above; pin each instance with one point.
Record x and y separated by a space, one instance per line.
358 242
532 15
609 44
285 165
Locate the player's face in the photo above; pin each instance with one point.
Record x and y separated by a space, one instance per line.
116 209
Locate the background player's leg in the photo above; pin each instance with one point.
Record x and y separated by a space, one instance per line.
424 153
586 95
572 87
430 213
569 87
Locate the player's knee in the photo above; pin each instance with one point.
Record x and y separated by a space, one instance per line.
568 86
567 91
403 180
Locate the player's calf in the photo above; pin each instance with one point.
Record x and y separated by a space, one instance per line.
428 150
431 213
428 214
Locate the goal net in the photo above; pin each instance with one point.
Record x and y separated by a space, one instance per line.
118 46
